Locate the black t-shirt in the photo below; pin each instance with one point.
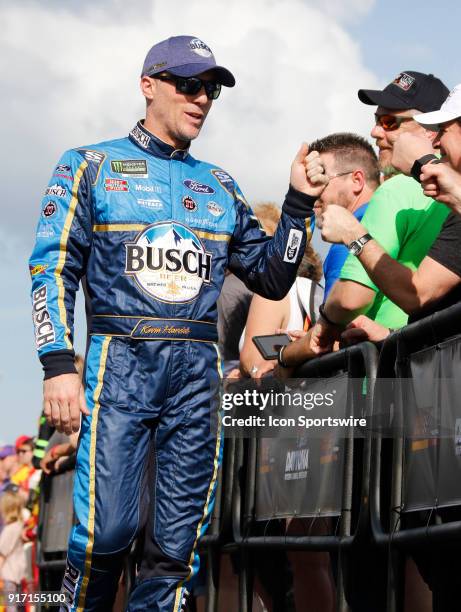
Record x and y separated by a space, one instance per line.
446 250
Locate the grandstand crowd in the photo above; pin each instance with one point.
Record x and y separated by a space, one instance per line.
393 221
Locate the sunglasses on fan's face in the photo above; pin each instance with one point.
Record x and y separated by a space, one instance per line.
192 85
389 123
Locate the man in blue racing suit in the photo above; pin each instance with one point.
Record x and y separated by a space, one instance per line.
150 231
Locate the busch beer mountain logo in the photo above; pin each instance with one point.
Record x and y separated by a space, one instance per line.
56 190
169 262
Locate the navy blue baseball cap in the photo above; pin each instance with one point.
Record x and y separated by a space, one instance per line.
409 89
184 56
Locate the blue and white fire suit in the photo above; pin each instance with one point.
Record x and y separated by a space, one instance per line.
152 231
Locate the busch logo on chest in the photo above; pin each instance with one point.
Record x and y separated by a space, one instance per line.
169 262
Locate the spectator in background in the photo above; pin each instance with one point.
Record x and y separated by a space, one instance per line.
352 168
296 311
12 556
23 477
436 284
54 457
8 465
399 217
235 299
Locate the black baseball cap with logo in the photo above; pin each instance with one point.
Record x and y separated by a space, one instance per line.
409 89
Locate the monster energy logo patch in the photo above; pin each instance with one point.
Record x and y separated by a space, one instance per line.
130 167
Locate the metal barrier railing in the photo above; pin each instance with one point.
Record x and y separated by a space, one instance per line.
390 452
359 361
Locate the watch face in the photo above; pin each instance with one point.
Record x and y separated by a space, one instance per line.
355 248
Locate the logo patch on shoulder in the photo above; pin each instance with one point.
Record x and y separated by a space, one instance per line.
136 168
96 159
38 269
404 81
197 187
56 190
292 249
49 209
189 203
224 179
93 156
63 171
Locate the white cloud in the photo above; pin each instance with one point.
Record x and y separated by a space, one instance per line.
71 72
73 80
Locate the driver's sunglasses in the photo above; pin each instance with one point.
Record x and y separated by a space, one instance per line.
390 123
192 85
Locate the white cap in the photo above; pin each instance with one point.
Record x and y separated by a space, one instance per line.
450 109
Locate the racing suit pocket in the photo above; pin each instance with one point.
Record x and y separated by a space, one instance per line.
113 371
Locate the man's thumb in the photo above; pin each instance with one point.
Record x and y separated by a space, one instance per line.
301 154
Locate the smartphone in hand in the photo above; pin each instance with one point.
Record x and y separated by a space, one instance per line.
269 346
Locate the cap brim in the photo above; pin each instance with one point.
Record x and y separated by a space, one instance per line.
432 121
225 77
376 97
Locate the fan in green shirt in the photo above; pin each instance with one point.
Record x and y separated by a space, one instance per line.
405 223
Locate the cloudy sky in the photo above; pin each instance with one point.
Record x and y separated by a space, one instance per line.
70 74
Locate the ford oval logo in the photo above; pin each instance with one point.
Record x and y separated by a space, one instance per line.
197 187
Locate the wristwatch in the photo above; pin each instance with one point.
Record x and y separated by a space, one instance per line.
419 163
356 246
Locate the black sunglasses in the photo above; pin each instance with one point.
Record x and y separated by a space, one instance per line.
192 85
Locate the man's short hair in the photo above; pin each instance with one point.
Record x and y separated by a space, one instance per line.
350 151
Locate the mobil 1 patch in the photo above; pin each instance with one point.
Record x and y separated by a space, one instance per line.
136 168
293 245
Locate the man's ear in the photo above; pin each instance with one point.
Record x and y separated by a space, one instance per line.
358 180
429 134
147 86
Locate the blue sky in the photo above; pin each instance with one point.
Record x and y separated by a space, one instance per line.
71 73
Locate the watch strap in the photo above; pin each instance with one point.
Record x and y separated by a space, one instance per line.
419 163
356 246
